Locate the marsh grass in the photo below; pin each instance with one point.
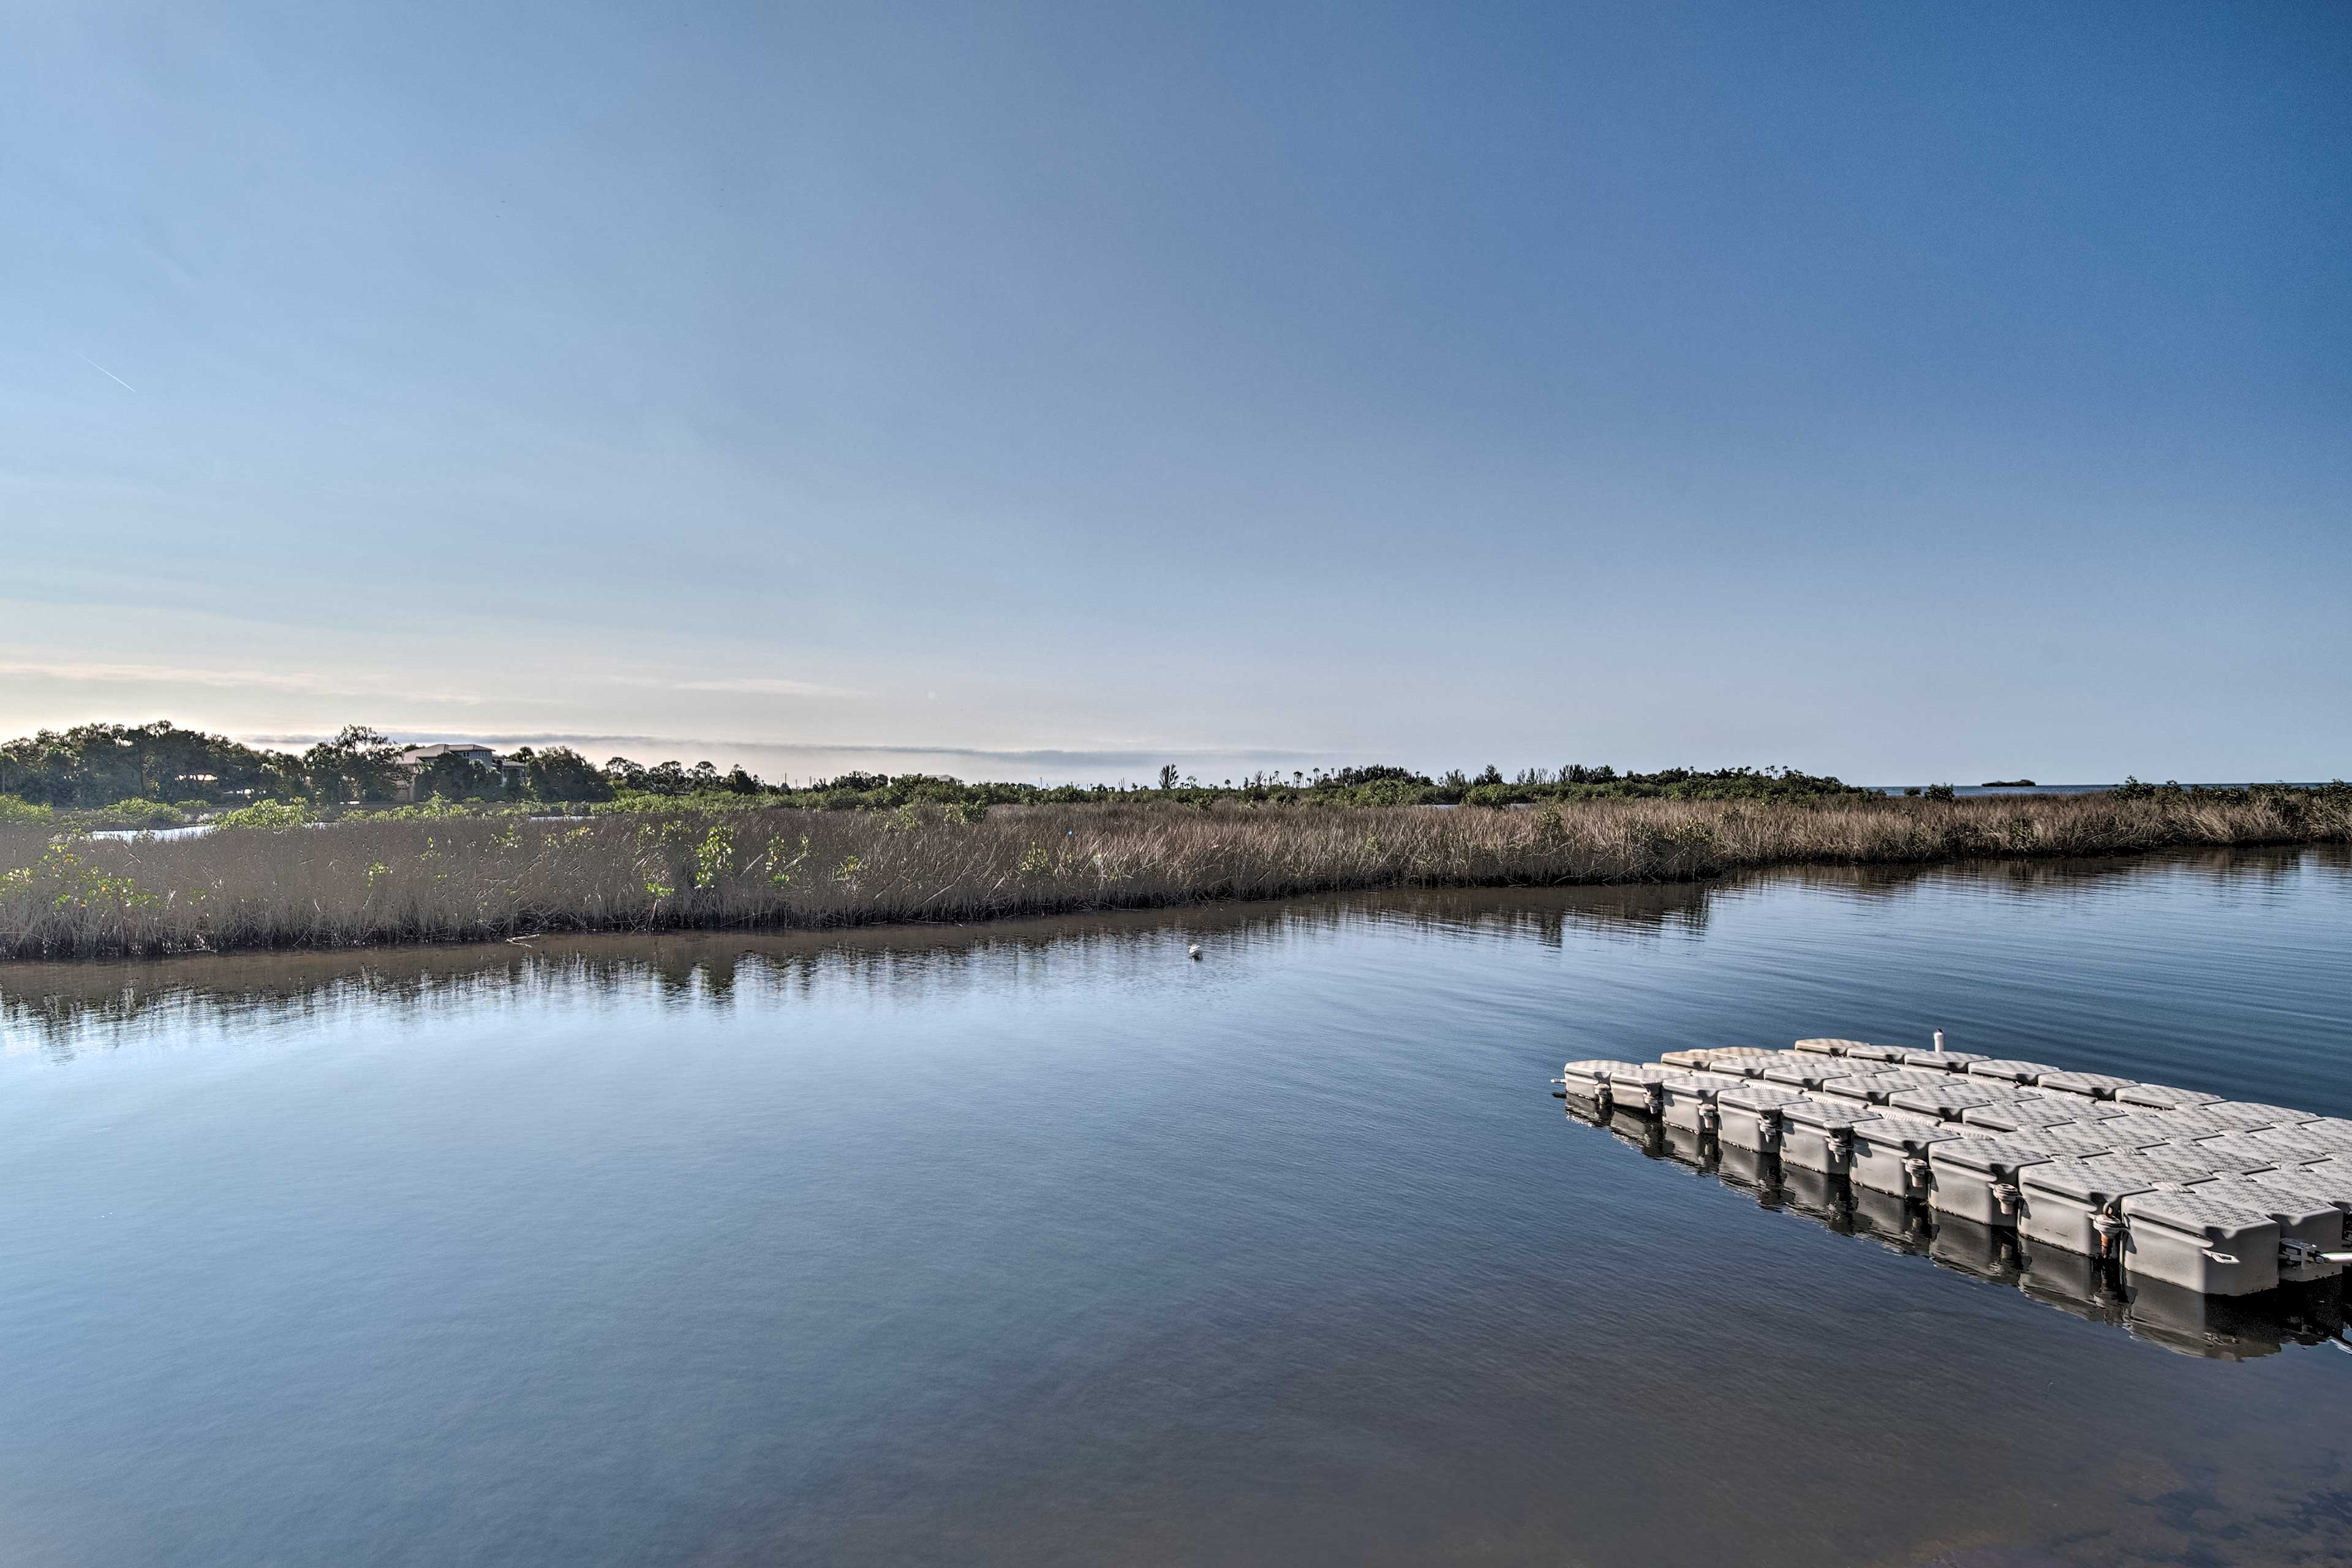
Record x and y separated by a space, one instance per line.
461 878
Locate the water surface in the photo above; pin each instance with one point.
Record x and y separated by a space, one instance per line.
1041 1243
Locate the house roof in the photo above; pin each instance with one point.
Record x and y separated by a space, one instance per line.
465 749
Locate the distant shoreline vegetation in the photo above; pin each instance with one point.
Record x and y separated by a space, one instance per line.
291 873
129 777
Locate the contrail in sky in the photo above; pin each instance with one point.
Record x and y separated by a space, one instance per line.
104 372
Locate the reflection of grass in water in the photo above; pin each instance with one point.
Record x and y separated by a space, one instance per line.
54 1002
474 879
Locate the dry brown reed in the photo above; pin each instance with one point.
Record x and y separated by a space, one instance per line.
485 878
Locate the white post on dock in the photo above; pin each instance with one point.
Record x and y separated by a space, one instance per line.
1939 1041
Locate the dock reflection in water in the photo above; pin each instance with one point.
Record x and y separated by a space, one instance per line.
2221 1328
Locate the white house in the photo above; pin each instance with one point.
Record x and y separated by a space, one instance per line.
417 758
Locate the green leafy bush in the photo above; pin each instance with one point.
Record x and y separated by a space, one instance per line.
135 812
15 810
273 815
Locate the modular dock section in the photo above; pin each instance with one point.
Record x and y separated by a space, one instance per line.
2091 1191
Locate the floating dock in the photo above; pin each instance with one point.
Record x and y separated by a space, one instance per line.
2094 1193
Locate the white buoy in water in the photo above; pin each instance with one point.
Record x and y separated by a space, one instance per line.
1196 952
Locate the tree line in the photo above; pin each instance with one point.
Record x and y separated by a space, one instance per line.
102 766
96 767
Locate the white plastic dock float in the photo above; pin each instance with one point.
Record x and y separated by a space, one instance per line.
2254 1117
1859 1050
2330 1179
1975 1178
2163 1097
2246 1152
2008 1070
2205 1243
1590 1080
2090 1085
1808 1060
2191 1122
2297 1185
1945 1101
1890 1153
1636 1088
1818 1134
2309 1227
1809 1071
2053 1110
1747 1064
2218 1155
2147 1128
2004 1092
2335 1131
2285 1144
2072 1204
1878 1088
1946 1061
2067 1139
1687 1101
1707 1056
1751 1116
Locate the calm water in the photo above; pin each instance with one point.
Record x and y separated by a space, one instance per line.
1045 1246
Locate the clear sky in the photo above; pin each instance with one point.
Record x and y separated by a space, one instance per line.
1903 391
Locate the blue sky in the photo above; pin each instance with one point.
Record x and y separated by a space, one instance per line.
1906 392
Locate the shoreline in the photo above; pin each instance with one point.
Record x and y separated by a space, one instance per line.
375 884
44 1003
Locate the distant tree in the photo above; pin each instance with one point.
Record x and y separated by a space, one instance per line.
95 764
454 777
559 773
1168 775
703 775
740 782
359 763
1357 778
282 779
666 778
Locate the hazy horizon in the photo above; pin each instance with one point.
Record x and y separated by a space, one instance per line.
1907 395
